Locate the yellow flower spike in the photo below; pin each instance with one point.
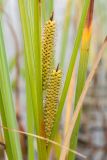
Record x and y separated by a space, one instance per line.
51 101
48 50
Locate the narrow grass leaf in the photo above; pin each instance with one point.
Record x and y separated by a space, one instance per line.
49 7
13 147
43 139
44 11
38 69
30 122
69 109
30 10
82 70
29 105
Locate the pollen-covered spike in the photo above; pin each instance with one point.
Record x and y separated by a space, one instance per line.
51 101
47 51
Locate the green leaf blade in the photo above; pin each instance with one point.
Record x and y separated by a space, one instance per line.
7 107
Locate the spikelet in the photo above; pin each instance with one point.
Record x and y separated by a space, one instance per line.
47 50
51 102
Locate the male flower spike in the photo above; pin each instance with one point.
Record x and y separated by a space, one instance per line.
48 50
52 99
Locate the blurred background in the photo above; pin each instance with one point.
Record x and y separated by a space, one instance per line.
92 140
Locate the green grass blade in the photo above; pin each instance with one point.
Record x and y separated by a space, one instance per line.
33 69
38 70
65 31
82 71
29 108
6 134
70 69
13 147
30 10
30 123
44 11
49 7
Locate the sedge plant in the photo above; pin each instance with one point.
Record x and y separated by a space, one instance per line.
45 94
